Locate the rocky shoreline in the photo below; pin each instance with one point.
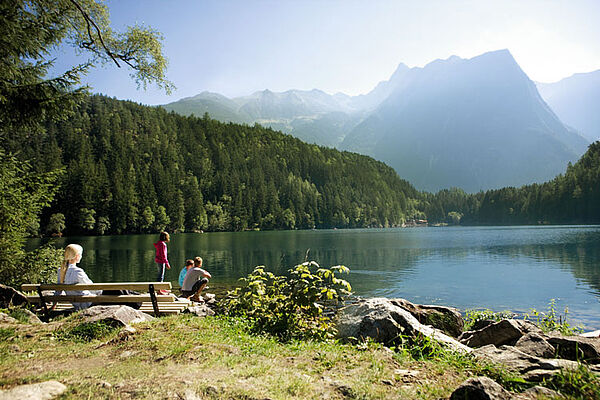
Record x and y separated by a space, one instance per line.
519 346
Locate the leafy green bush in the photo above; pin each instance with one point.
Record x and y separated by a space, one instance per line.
290 306
551 321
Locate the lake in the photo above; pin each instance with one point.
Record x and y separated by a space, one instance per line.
501 268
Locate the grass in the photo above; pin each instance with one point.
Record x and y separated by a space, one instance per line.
216 357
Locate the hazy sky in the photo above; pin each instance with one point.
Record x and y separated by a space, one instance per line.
237 47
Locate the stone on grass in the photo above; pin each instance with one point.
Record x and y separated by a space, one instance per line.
385 322
35 391
447 319
534 344
577 348
201 310
539 392
7 319
532 368
480 388
117 315
506 331
11 297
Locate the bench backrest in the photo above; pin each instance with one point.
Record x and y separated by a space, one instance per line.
137 286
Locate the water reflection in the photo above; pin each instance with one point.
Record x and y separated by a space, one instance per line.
496 267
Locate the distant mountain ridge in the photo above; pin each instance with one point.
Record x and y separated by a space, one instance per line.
475 123
576 100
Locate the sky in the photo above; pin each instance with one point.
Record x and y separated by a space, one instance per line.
236 47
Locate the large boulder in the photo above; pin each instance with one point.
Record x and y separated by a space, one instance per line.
577 348
383 321
530 367
480 388
11 297
447 319
117 315
504 332
535 344
35 391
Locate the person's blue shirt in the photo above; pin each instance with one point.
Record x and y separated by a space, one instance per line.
182 276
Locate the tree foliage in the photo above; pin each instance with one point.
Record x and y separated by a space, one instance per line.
30 30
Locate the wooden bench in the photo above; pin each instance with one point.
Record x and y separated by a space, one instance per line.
152 302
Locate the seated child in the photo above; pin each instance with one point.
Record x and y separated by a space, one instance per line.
184 270
195 281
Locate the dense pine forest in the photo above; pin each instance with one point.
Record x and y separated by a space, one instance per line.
570 198
132 168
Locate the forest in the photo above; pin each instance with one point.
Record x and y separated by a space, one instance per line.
570 198
129 168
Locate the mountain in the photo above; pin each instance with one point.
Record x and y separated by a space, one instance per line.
475 123
575 100
311 115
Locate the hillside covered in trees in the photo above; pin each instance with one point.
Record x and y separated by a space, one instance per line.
133 168
570 198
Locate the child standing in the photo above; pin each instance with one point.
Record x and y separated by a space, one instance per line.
161 256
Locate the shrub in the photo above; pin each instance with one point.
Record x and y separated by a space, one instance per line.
551 321
290 306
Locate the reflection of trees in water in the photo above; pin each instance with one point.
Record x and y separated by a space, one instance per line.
579 255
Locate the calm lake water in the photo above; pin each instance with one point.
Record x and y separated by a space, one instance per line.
501 268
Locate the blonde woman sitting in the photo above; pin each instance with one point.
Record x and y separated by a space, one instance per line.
69 273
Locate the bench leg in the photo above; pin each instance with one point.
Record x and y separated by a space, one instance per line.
46 312
153 298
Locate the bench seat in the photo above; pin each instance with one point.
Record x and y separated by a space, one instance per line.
152 302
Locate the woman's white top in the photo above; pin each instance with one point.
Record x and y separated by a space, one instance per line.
76 275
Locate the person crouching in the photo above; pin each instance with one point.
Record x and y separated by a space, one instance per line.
195 281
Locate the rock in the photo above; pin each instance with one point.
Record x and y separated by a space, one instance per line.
201 310
535 345
384 322
11 297
539 392
593 334
480 388
210 298
31 317
447 319
530 367
506 331
482 323
577 348
35 391
7 319
114 315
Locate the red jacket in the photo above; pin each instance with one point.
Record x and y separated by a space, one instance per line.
161 253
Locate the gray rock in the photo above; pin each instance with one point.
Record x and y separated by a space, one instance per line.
11 297
539 392
530 367
7 319
201 310
36 391
385 322
593 334
534 344
480 388
506 331
117 315
31 317
577 348
447 319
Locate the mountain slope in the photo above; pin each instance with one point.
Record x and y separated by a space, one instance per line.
475 124
576 100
